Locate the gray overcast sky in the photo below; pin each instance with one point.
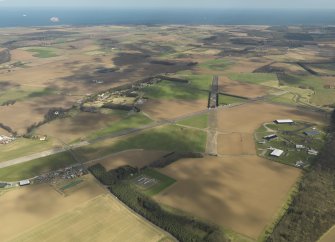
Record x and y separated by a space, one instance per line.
320 4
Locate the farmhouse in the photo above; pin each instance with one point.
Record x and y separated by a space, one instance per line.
277 152
284 121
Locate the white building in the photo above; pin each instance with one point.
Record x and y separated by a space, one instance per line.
284 121
24 183
300 147
277 152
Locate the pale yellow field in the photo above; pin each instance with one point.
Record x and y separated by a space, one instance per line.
87 213
101 219
241 193
329 236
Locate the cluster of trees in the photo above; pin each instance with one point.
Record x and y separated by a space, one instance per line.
184 228
173 157
52 114
8 103
121 107
8 129
111 177
4 56
312 211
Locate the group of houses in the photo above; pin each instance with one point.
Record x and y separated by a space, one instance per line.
6 139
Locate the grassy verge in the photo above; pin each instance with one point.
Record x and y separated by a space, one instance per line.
200 121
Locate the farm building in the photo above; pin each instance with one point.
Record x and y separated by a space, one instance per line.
300 147
24 182
284 121
313 152
270 137
312 133
277 152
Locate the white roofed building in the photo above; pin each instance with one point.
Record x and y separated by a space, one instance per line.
284 121
277 152
24 182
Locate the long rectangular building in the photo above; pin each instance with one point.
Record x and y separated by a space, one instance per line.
284 121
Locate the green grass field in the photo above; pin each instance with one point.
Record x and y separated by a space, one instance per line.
43 52
322 96
128 122
287 98
216 64
256 78
171 90
226 99
167 138
21 147
164 182
36 167
200 121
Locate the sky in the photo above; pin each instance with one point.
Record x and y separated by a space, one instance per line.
241 4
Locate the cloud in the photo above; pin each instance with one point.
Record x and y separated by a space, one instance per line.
54 19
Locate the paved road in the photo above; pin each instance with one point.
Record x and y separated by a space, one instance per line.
126 132
211 146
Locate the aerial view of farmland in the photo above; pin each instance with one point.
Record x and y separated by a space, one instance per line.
167 132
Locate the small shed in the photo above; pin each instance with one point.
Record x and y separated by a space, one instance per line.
24 182
270 137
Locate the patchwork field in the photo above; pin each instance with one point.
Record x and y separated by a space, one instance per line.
246 198
32 111
87 214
